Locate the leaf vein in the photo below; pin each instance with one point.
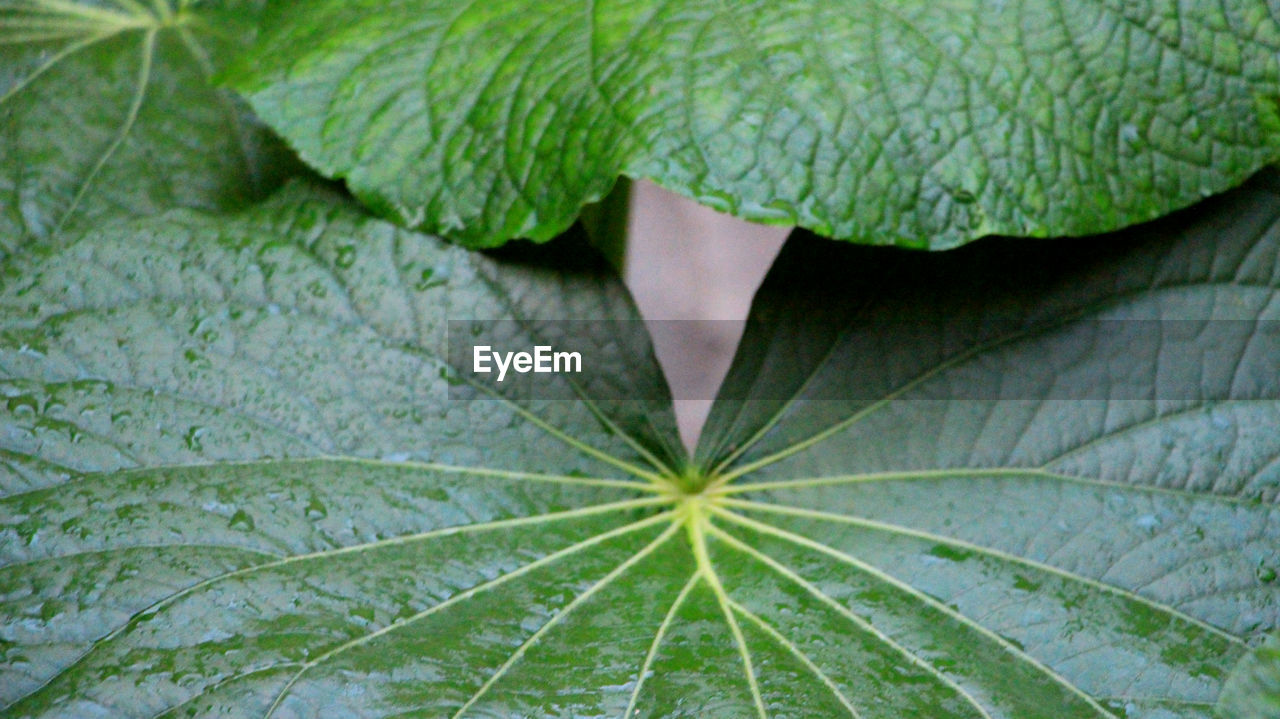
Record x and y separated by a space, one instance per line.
565 612
658 636
461 596
969 546
857 621
795 651
445 531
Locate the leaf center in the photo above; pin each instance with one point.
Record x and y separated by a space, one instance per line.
694 510
53 18
690 481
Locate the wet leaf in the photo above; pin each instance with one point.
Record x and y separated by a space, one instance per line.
107 109
227 493
923 124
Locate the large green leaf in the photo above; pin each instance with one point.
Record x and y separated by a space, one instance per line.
106 108
914 122
236 484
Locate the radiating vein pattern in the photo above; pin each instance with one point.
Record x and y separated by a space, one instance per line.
1102 557
232 481
252 419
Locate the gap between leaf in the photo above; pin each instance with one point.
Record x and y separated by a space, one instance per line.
685 261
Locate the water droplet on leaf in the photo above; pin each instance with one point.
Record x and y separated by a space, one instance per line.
192 439
425 281
241 521
346 256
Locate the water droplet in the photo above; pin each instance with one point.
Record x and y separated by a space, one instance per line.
1147 523
51 609
346 256
241 521
197 360
943 551
23 404
425 281
1130 135
1265 574
1025 584
316 509
192 439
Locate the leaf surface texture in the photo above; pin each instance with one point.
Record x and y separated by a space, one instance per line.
234 482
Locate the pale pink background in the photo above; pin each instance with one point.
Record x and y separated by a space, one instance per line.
686 262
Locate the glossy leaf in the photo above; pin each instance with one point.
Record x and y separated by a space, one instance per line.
235 482
913 122
107 108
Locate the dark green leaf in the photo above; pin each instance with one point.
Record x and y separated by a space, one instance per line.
235 483
918 123
106 108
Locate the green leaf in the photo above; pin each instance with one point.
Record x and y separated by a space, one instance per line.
106 109
916 123
235 482
1253 689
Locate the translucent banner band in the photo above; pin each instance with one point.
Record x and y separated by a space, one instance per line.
1111 359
